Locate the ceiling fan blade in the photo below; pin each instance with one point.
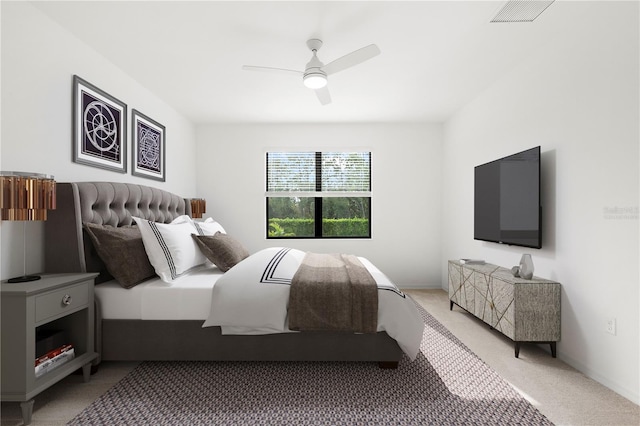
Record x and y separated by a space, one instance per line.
351 59
270 69
323 95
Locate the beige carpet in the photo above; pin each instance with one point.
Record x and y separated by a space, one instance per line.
564 395
561 393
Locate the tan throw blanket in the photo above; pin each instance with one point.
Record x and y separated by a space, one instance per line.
333 292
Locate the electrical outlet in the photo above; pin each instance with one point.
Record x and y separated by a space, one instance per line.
611 326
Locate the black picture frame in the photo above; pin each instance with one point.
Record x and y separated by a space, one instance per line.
149 147
99 127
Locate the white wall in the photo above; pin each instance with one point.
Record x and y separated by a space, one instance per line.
578 99
405 241
39 59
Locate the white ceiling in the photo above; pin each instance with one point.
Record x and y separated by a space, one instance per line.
436 55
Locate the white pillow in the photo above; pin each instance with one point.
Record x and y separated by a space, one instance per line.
181 219
208 227
169 246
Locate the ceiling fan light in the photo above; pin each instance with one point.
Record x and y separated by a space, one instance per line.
315 80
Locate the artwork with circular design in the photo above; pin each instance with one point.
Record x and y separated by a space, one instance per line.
100 130
99 127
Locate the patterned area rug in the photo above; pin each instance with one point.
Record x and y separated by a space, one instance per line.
446 385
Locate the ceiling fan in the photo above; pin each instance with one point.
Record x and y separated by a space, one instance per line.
315 73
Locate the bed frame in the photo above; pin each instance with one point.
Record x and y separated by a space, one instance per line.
68 249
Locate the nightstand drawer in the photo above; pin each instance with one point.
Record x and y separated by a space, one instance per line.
61 301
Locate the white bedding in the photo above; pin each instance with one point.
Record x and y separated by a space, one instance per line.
252 298
189 298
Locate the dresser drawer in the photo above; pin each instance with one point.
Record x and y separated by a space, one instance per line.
61 301
503 307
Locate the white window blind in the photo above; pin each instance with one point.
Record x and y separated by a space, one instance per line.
291 171
339 174
346 171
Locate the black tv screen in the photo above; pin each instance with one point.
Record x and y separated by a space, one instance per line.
507 206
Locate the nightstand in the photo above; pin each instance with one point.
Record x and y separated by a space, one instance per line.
58 304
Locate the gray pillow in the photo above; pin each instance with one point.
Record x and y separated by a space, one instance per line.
122 251
221 249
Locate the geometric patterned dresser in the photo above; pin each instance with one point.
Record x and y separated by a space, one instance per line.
523 310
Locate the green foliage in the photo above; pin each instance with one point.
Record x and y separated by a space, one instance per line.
288 227
287 207
277 231
283 228
345 207
355 227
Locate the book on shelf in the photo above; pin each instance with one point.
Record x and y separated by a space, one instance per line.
472 261
53 353
54 359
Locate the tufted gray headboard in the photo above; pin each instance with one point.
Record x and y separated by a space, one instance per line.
103 203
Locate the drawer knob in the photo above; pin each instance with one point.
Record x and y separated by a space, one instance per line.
66 300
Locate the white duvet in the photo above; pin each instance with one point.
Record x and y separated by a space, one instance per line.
253 296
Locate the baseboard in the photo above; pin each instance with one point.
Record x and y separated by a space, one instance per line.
631 394
420 286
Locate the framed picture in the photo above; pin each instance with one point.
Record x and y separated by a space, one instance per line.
148 147
99 128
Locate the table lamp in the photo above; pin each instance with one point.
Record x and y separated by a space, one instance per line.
198 207
25 197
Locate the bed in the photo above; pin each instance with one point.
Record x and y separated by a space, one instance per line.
171 328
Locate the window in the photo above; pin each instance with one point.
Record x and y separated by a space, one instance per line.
318 195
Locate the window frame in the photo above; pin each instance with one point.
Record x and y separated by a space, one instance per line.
318 196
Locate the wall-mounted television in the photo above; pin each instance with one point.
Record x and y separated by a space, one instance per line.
507 208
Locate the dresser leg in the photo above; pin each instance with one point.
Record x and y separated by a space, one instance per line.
553 348
27 411
516 347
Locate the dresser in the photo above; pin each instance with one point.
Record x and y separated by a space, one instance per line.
523 310
57 305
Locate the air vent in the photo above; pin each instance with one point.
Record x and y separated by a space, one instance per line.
521 10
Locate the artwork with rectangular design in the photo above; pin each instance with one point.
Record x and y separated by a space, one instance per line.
148 147
99 128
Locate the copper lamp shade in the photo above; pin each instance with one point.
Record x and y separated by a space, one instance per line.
26 197
198 207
